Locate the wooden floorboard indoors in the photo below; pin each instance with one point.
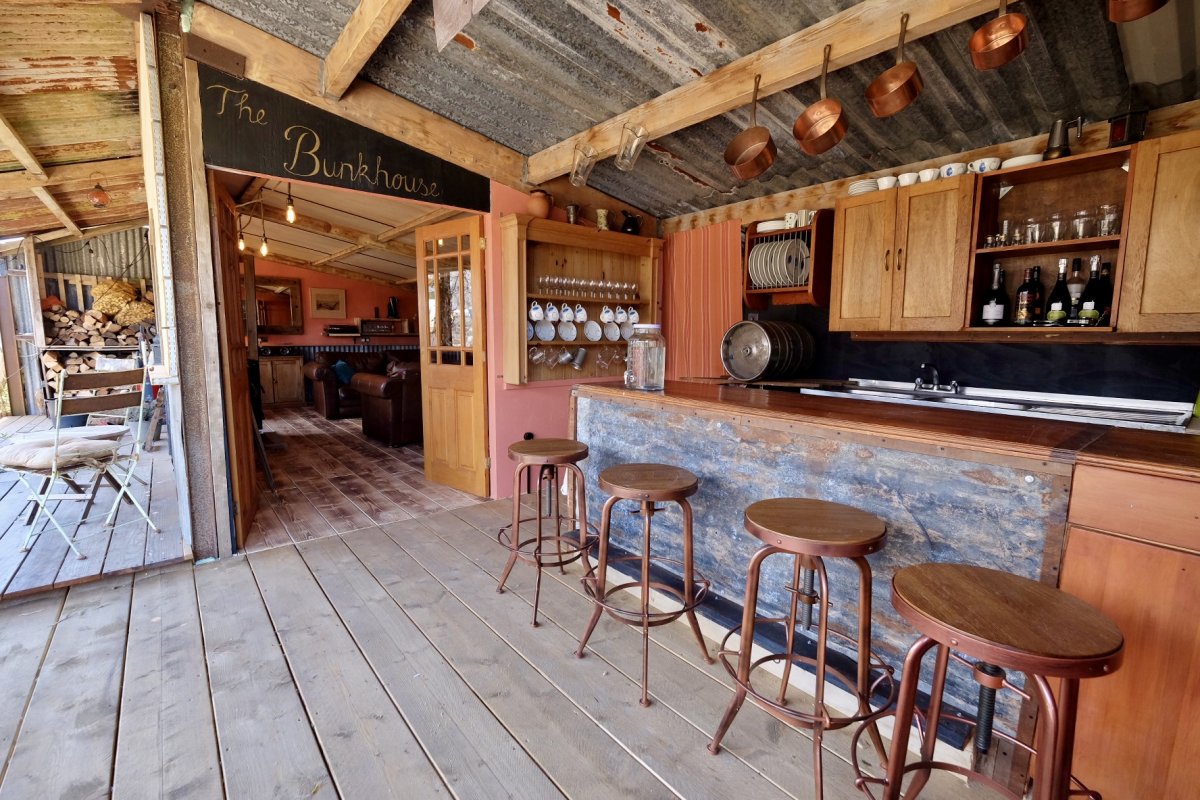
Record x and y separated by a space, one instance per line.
378 663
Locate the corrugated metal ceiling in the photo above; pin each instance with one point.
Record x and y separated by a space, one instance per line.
528 73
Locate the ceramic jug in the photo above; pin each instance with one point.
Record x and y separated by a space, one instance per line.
632 223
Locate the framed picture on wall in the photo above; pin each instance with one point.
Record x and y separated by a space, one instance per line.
328 303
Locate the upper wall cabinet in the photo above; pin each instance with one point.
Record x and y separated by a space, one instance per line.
901 256
1160 291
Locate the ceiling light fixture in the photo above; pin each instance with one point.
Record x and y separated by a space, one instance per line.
633 139
262 217
97 196
291 206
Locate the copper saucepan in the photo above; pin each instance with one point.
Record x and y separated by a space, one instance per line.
752 152
1000 40
898 86
822 125
1129 10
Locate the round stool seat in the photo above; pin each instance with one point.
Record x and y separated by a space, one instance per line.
1007 620
547 451
815 527
653 482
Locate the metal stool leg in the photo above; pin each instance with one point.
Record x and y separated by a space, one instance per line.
598 582
689 586
906 705
936 690
647 516
793 607
818 729
864 654
580 514
515 530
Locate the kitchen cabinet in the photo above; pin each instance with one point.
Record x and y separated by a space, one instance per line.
900 258
1160 291
282 380
1133 551
555 262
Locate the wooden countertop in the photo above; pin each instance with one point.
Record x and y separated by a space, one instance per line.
1171 455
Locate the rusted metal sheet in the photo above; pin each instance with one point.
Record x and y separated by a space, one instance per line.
122 254
937 509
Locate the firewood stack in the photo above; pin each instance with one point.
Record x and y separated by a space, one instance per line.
92 328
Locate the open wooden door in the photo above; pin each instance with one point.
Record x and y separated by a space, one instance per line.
235 379
453 354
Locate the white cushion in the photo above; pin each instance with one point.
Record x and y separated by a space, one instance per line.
28 456
69 434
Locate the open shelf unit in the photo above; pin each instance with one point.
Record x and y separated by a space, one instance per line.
817 236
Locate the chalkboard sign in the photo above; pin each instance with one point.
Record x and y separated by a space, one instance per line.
250 127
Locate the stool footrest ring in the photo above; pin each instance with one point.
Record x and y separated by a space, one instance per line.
526 549
631 616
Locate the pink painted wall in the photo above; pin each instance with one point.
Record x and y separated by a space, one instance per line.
362 297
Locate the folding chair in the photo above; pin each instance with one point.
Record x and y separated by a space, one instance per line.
47 459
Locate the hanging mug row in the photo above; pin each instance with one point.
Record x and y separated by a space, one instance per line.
552 313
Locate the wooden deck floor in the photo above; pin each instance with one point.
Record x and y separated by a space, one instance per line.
124 548
378 663
331 479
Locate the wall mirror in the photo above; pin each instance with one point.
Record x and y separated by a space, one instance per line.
277 305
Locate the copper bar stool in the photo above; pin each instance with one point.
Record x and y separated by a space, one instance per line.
646 484
551 458
810 530
1002 621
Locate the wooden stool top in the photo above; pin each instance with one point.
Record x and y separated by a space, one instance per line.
547 451
655 482
815 527
1008 620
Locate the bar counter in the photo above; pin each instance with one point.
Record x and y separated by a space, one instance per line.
951 485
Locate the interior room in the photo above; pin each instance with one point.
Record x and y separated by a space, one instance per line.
599 399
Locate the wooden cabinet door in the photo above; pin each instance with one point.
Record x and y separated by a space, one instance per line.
864 234
288 381
266 377
1160 290
933 237
1138 730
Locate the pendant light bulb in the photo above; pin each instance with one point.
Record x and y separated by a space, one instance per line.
241 243
262 248
291 207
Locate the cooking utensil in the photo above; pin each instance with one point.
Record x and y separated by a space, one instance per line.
1000 40
1058 145
896 88
752 351
752 152
822 125
1129 10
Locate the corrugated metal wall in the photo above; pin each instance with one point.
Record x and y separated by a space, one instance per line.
123 254
702 287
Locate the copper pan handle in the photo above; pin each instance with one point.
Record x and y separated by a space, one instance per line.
754 103
903 30
825 68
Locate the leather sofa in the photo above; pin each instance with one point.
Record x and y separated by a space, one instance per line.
334 399
391 404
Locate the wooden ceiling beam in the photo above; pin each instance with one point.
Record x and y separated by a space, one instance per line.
338 255
64 236
370 23
864 30
435 216
114 169
41 193
288 69
253 189
323 228
11 140
344 273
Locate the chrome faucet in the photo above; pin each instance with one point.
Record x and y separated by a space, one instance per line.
935 383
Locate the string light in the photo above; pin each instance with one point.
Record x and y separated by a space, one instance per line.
262 248
241 236
262 217
291 206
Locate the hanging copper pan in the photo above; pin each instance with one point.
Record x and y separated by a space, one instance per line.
822 125
1129 10
1001 40
752 152
898 86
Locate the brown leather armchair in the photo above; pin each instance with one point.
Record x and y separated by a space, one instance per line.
332 398
391 404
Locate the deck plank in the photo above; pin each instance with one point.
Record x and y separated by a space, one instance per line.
267 746
299 517
27 626
166 742
585 760
337 510
65 747
165 546
476 755
127 550
378 508
370 750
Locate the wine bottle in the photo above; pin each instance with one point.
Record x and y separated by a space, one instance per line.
1058 304
995 301
1039 308
1075 285
1107 287
1092 300
1026 302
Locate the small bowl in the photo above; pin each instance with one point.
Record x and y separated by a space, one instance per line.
953 170
981 165
928 175
887 182
908 178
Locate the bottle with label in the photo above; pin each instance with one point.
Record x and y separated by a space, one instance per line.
1058 304
1107 287
1091 303
995 302
1028 298
1039 309
1075 285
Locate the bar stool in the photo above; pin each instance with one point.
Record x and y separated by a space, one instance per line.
810 530
1005 622
646 484
549 457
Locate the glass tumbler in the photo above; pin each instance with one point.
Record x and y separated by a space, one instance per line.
1109 220
1033 230
1055 229
1083 225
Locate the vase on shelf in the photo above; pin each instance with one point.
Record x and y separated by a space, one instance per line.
539 203
602 219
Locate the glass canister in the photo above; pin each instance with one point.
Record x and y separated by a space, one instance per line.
646 360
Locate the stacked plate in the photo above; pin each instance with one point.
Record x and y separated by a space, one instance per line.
864 186
783 263
771 225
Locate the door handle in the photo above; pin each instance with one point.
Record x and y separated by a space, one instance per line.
887 255
900 259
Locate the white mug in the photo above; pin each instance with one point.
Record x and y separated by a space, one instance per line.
551 312
633 315
888 182
928 175
566 315
908 178
606 314
790 219
984 165
953 170
621 315
804 216
580 313
535 311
